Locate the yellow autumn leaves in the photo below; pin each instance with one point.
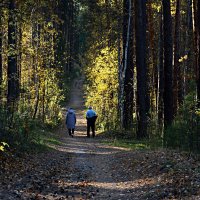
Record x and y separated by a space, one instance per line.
3 145
101 90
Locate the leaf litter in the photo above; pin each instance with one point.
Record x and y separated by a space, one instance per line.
119 174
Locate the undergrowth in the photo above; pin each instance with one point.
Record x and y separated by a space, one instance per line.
119 139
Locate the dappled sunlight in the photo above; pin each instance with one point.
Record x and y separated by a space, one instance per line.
125 185
86 146
79 189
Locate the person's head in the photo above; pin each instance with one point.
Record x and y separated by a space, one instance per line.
69 109
90 108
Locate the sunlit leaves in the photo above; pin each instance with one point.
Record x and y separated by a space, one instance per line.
102 88
3 145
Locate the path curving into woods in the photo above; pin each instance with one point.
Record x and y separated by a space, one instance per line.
85 168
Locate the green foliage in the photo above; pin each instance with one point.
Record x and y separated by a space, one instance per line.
135 144
102 86
184 133
45 61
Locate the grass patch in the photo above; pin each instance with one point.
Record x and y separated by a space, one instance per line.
128 140
134 144
127 144
44 140
52 141
36 141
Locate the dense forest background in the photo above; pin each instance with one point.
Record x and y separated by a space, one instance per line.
140 60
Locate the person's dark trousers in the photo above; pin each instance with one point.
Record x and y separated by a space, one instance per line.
71 131
91 124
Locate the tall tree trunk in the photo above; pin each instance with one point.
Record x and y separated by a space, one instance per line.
152 73
142 95
43 100
187 68
19 56
198 71
195 39
71 35
36 44
128 65
107 2
177 72
12 72
1 43
161 74
168 55
190 45
120 110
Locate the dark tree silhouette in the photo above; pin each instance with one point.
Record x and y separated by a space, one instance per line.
128 61
142 95
177 74
1 35
168 54
12 73
161 74
198 71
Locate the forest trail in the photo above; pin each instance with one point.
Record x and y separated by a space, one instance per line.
83 168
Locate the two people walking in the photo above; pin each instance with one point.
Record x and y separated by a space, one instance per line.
91 117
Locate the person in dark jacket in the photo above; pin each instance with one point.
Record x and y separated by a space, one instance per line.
71 121
91 117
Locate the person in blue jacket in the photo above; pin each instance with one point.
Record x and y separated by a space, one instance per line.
71 121
91 117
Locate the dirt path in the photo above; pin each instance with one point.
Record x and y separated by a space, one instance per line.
90 159
83 168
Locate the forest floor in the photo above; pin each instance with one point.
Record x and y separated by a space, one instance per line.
85 168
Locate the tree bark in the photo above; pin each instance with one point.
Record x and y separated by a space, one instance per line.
168 55
142 95
161 74
128 65
195 39
152 71
177 72
198 71
1 41
12 72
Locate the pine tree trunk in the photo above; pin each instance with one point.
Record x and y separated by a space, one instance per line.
196 35
190 45
142 95
198 71
168 55
128 65
152 72
119 75
177 72
161 75
36 37
1 41
12 72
